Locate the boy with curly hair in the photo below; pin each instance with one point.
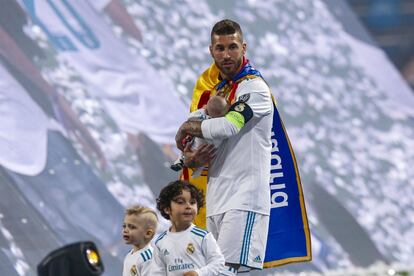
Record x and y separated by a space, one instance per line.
184 249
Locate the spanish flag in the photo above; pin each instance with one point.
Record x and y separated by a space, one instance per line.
288 236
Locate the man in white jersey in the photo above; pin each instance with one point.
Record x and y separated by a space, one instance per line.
238 201
133 93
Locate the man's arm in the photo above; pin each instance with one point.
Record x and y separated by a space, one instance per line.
217 128
119 14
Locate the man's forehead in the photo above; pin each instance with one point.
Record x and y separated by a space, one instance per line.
225 38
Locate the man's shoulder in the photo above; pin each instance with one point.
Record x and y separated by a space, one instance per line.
249 85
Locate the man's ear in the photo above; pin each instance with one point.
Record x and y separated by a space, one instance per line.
244 45
211 50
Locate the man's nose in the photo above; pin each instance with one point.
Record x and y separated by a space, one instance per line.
226 54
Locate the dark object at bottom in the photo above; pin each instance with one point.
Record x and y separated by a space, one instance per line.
77 259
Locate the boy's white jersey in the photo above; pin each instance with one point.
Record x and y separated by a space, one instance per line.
138 263
136 96
192 249
239 174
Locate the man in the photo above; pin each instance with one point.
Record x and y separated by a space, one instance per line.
238 204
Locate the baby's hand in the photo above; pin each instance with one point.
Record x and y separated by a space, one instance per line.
190 273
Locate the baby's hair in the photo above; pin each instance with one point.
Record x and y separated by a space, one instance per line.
174 189
217 106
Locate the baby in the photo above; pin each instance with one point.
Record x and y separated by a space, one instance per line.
217 106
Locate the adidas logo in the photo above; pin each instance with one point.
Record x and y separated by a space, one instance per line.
166 252
257 259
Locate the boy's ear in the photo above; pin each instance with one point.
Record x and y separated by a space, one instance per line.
150 233
167 210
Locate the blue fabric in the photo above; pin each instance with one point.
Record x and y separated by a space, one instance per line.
288 236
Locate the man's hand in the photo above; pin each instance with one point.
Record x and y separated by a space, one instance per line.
199 157
190 273
192 128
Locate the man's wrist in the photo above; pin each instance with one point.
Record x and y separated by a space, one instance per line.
193 128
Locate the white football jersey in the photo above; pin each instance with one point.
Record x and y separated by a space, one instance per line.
137 98
239 174
138 263
192 249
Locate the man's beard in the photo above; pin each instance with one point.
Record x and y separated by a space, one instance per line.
230 73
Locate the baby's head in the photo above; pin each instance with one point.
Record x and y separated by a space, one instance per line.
140 225
217 106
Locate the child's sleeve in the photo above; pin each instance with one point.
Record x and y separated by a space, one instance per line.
157 267
144 268
213 255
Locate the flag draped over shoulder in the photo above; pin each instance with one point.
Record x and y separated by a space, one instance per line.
288 237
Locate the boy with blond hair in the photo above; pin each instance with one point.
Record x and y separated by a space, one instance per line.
138 229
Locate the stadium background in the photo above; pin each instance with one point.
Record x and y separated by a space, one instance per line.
348 112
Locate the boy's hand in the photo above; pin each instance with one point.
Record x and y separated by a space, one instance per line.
190 273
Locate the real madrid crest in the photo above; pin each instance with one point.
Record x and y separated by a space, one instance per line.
190 248
240 107
133 271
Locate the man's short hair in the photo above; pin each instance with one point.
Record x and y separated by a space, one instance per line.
226 27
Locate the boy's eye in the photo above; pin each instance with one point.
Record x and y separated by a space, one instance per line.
193 201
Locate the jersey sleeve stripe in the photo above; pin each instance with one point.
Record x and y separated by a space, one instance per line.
143 256
201 230
198 234
160 237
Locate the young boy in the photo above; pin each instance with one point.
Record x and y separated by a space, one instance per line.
184 249
138 229
217 106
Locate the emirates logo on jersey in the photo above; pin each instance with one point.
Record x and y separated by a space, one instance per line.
190 248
